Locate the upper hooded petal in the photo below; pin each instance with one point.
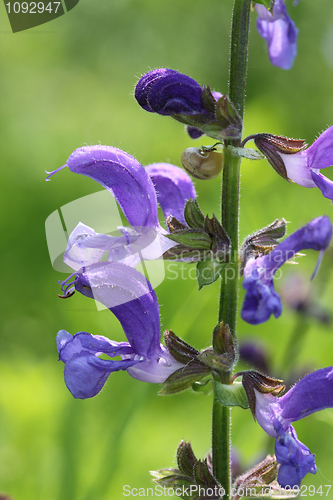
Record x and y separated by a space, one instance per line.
145 83
129 295
123 176
315 235
312 393
169 92
173 187
320 153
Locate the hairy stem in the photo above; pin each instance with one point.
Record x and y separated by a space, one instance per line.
221 424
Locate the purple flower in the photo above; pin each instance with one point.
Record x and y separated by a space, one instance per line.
130 297
303 167
261 300
280 34
137 190
167 92
312 393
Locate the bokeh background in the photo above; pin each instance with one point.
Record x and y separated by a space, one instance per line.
70 83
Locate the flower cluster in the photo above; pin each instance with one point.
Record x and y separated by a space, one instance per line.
105 265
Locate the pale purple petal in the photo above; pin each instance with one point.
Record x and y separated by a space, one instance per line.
86 247
155 370
130 297
324 184
320 153
297 167
123 176
173 187
280 34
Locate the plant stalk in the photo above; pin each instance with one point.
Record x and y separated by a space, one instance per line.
221 421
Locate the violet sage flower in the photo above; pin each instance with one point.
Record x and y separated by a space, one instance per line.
130 297
304 167
279 32
275 415
261 300
138 191
168 92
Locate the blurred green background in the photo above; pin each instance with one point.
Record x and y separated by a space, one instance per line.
70 83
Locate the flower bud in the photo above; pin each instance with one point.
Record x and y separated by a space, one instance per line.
202 163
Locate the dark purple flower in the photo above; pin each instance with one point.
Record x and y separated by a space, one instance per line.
312 393
133 187
261 300
130 297
167 92
280 34
304 167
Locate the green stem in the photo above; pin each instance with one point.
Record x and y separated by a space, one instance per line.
221 423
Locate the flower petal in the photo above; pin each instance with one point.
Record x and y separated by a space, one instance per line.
297 167
155 370
320 153
168 92
146 82
86 374
315 235
173 187
295 459
68 345
324 184
312 393
130 297
123 176
261 300
280 34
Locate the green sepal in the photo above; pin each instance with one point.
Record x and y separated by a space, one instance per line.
184 378
269 4
220 239
192 238
231 395
208 271
227 114
193 215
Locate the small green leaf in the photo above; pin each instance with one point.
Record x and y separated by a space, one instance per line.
192 238
251 154
208 271
231 395
269 4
